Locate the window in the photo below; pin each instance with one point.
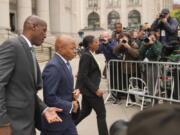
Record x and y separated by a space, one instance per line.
93 20
134 19
95 3
113 18
114 3
92 3
110 3
134 2
131 2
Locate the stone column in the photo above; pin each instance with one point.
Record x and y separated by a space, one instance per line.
24 9
55 16
43 11
124 13
4 15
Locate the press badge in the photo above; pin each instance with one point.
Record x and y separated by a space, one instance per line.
146 60
163 33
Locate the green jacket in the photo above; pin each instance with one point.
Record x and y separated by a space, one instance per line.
151 52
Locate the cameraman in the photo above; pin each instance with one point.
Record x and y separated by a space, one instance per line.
168 31
106 46
128 51
150 50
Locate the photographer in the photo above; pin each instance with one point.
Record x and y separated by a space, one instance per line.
150 50
106 47
168 31
118 31
128 51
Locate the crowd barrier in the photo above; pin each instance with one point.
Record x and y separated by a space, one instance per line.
144 82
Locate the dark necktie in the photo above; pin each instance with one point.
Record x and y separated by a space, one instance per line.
69 67
34 62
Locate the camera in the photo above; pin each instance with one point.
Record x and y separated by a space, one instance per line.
146 40
124 41
102 40
162 16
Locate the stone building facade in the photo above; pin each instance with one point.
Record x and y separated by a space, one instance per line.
70 16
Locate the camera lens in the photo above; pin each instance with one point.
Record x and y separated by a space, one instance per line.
124 41
146 40
162 16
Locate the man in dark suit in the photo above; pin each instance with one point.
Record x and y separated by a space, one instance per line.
88 81
58 88
20 80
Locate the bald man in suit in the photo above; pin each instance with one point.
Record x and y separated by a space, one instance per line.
20 80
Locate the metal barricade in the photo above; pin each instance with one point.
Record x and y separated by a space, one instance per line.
144 82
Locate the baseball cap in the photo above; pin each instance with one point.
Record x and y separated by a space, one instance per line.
165 11
159 120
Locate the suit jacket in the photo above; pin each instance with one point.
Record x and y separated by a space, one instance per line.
18 89
89 75
58 85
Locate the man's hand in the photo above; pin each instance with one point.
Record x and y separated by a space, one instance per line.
5 130
51 114
120 42
99 93
126 45
75 106
158 16
106 40
76 94
164 20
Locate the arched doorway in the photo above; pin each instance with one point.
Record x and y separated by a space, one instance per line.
134 19
113 17
93 20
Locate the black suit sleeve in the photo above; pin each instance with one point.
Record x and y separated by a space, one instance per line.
7 64
84 71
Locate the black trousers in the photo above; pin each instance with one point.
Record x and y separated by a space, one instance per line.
96 103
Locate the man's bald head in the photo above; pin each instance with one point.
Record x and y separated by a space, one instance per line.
65 46
63 41
31 21
35 29
105 35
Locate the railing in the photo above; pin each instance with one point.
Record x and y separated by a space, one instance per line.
152 81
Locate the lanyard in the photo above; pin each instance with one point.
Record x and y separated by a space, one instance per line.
148 50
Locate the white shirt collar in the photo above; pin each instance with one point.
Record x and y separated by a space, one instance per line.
28 42
65 61
91 52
